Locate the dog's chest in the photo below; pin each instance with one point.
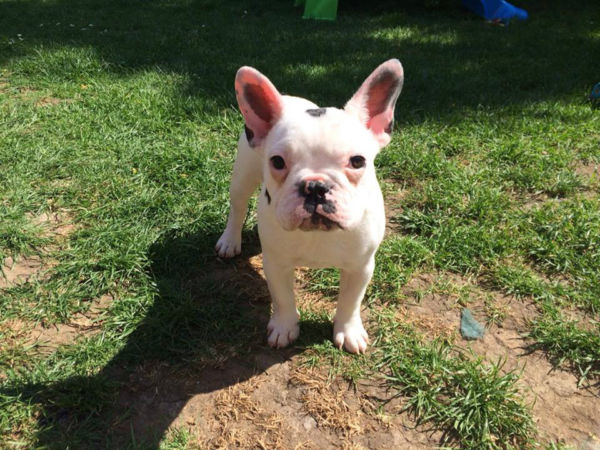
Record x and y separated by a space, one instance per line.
314 249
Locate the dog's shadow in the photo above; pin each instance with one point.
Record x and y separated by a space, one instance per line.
204 331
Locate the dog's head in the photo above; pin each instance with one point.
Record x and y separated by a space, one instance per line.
317 162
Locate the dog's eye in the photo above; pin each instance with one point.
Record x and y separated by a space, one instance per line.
277 162
358 162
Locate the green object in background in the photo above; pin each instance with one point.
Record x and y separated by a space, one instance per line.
318 9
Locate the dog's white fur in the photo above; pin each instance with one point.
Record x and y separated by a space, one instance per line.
342 225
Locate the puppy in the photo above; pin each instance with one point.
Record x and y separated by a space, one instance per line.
320 204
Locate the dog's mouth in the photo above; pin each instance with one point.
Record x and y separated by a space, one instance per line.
317 221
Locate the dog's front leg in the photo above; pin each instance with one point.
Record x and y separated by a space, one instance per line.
246 177
283 327
348 330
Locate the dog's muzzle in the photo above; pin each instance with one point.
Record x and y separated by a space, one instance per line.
314 193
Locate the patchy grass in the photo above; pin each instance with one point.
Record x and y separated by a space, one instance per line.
476 403
119 120
565 341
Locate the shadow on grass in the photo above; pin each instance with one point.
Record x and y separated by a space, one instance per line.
453 60
204 332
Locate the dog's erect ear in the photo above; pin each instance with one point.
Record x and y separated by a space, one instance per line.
259 102
375 100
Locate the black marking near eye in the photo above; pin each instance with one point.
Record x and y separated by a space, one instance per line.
390 127
249 133
268 196
318 112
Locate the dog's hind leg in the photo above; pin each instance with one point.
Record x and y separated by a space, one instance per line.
247 175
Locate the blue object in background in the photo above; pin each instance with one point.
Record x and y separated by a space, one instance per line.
595 95
495 10
469 327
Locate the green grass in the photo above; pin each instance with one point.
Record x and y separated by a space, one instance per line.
121 117
476 403
565 341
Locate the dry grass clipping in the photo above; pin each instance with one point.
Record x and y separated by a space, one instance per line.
429 325
242 424
325 403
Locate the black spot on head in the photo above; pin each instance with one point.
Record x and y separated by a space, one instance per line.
318 112
268 196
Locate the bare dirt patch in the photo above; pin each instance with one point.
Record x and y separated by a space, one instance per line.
307 299
326 405
588 170
46 338
19 270
562 410
47 101
262 398
22 269
55 223
29 95
394 195
271 401
590 173
49 337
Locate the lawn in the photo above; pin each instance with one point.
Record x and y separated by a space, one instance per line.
120 328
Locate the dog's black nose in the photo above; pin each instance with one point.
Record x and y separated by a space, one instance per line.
315 189
314 192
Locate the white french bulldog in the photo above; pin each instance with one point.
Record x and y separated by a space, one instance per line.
320 203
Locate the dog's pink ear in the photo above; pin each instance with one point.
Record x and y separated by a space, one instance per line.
375 100
259 102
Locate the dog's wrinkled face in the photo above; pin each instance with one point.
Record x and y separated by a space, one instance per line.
315 161
318 161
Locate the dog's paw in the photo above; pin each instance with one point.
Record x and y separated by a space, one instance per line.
282 331
351 335
229 245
